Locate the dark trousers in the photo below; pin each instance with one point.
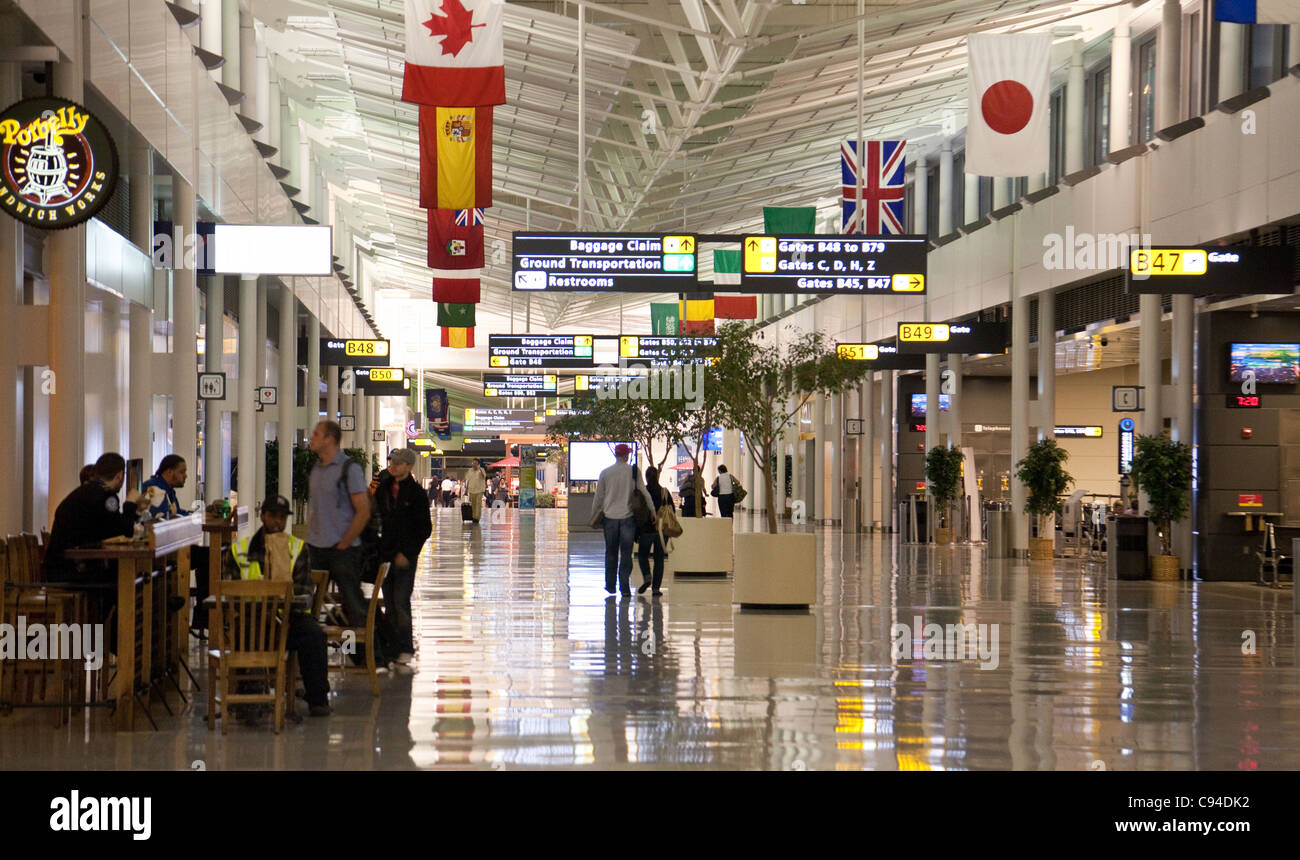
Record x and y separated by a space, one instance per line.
726 504
344 566
646 543
308 639
398 586
200 564
619 538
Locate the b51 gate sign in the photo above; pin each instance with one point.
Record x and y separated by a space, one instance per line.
58 166
810 264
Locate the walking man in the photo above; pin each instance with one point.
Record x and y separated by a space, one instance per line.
613 499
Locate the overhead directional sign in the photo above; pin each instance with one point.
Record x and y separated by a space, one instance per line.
665 350
972 338
880 356
1231 270
357 352
591 382
503 420
604 262
858 351
518 384
810 264
382 381
550 350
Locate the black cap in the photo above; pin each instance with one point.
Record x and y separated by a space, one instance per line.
276 504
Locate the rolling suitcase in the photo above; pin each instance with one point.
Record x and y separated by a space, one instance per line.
466 512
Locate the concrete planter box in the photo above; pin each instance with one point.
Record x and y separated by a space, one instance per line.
776 644
704 547
776 570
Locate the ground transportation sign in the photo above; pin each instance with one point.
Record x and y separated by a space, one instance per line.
604 262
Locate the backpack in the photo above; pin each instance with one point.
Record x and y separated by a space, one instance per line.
370 534
636 502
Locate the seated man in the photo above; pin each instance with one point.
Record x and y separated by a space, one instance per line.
272 553
170 477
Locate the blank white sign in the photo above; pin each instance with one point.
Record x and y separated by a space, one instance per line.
253 249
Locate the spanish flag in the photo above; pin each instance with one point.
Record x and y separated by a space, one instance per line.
455 157
457 337
696 315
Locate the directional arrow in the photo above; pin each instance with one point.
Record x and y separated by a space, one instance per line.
752 244
914 281
686 244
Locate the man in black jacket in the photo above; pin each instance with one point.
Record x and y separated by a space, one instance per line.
403 509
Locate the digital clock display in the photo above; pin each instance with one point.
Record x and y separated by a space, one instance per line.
1243 401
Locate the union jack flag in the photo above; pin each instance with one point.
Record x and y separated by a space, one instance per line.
464 216
882 186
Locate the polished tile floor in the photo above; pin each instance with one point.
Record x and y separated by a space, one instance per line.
525 663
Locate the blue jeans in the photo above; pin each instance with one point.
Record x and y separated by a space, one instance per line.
620 535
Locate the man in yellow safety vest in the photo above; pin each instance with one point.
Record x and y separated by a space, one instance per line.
272 553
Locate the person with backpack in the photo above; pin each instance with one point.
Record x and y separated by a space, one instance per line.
340 508
648 538
619 512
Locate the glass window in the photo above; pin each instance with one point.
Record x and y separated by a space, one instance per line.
1098 97
1146 86
958 189
1266 54
1194 64
1056 120
986 195
932 202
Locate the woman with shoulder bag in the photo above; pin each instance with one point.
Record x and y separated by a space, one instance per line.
725 488
648 537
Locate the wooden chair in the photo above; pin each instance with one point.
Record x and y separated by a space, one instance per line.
335 635
251 638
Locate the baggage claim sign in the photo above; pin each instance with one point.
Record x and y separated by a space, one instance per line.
604 263
58 166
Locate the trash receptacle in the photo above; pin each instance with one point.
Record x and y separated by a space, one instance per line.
999 533
1126 548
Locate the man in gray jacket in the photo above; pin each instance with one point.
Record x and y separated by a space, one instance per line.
613 499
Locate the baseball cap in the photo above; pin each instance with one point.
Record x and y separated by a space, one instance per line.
276 504
620 450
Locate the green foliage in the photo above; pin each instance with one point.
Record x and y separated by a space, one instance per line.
760 388
545 500
1163 469
943 472
1044 477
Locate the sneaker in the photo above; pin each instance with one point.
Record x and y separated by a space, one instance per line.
405 657
319 710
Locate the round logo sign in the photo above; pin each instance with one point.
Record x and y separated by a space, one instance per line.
411 430
1127 424
58 166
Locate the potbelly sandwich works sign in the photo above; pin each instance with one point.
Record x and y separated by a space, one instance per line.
58 166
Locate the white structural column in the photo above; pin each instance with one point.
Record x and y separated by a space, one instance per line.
362 411
331 392
214 478
1293 43
230 42
65 263
920 186
347 406
1047 365
1168 65
248 65
816 470
185 347
311 397
931 401
1019 411
952 421
1181 369
1149 359
140 336
246 394
1120 80
1074 109
866 453
945 187
287 396
886 436
835 434
262 374
971 198
11 287
210 30
1232 49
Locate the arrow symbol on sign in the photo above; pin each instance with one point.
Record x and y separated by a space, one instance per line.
914 281
752 244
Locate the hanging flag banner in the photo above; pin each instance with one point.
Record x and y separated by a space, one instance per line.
439 412
454 53
1008 76
461 291
664 318
455 238
799 219
457 337
882 186
455 315
455 157
1257 11
58 165
726 267
735 307
697 314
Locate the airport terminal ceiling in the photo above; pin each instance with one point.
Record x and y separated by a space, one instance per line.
697 114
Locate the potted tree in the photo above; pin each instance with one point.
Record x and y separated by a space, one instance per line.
943 472
1163 469
1046 480
760 389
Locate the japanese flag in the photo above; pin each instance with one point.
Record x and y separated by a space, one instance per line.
1007 129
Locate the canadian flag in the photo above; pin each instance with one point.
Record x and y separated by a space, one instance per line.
454 53
1007 128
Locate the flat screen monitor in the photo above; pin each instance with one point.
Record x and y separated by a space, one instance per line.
588 459
713 442
1272 362
918 404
